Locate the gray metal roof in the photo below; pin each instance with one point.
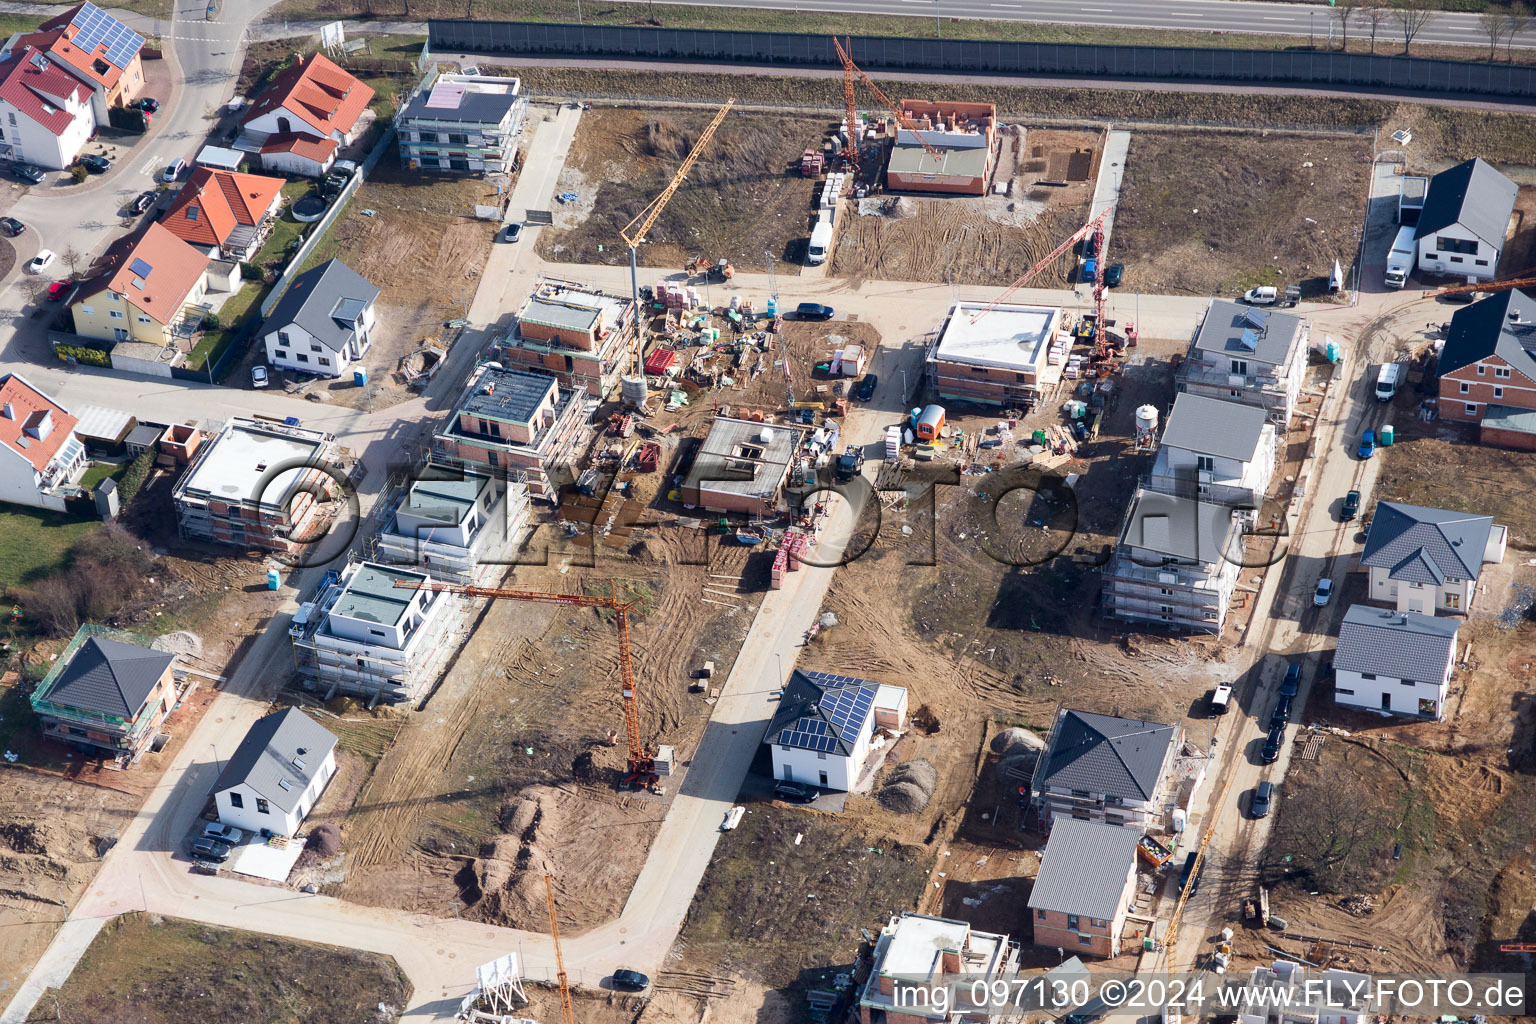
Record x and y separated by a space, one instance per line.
473 106
317 297
1084 867
287 747
1472 194
371 594
109 677
1103 754
1508 417
1402 645
1223 329
510 395
1212 426
821 712
1426 545
1181 529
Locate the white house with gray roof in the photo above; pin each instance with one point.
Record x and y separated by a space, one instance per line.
1176 563
1103 768
1249 355
323 323
1428 560
1465 221
463 124
1394 661
361 634
1215 449
276 774
455 523
823 729
1085 888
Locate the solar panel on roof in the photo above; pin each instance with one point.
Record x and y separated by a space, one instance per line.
1249 340
1256 317
96 28
140 268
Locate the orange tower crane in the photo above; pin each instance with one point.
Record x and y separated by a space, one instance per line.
1097 224
641 771
850 69
1489 286
1171 933
567 1015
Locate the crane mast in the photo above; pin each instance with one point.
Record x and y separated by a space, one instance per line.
567 1014
1096 224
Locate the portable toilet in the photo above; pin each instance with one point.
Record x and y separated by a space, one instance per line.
274 579
360 376
930 423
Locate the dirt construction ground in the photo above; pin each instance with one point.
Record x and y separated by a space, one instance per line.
1218 213
988 239
744 196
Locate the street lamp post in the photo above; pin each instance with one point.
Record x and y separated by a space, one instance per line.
216 763
938 28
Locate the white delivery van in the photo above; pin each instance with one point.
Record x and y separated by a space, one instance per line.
821 242
1387 379
1400 260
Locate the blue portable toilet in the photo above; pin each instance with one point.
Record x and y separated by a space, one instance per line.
360 376
773 305
274 579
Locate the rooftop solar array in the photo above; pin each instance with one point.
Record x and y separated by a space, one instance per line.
140 268
1256 317
844 707
95 27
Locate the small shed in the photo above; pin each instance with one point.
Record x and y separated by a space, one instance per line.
224 159
849 361
102 430
142 438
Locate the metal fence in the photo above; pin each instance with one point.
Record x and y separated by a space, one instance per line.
1312 67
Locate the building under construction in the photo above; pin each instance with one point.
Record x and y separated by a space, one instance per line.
962 134
583 337
361 635
1006 355
459 526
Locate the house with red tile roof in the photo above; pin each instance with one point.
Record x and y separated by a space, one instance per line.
147 287
97 49
309 111
42 458
224 214
46 116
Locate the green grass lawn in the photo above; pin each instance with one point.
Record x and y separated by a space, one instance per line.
100 471
36 542
236 312
285 230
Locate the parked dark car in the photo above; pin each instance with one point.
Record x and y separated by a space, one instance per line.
12 226
1271 752
1351 507
1459 298
30 173
866 389
632 980
1258 804
1281 716
1114 275
813 311
144 202
1292 681
1093 1010
795 792
96 164
146 103
1189 878
211 849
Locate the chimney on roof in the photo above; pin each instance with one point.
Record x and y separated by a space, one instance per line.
1514 316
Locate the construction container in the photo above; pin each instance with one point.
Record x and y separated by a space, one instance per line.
931 423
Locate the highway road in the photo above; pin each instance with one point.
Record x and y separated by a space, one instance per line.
1252 18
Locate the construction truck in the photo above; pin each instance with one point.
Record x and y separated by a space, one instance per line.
851 463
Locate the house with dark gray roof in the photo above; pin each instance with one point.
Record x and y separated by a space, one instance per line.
1488 370
1399 662
1245 354
1176 562
462 124
276 774
1465 221
108 694
1216 450
323 323
1103 768
1085 888
824 728
1428 560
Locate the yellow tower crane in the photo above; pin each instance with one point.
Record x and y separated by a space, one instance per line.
1171 936
567 1014
633 235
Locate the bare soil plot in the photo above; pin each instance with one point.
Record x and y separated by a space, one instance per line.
156 970
422 246
745 196
1488 481
989 239
1220 212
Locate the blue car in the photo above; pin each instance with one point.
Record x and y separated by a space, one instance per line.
1367 444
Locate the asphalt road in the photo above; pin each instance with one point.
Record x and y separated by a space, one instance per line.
1183 15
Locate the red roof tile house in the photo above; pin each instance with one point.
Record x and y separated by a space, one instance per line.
98 50
43 458
45 113
147 288
224 214
1488 371
304 116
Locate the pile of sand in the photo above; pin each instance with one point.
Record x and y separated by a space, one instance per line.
509 873
1017 766
909 786
1014 737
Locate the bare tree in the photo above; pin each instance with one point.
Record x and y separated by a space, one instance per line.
1411 16
72 257
1374 16
1517 19
1494 22
1343 10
